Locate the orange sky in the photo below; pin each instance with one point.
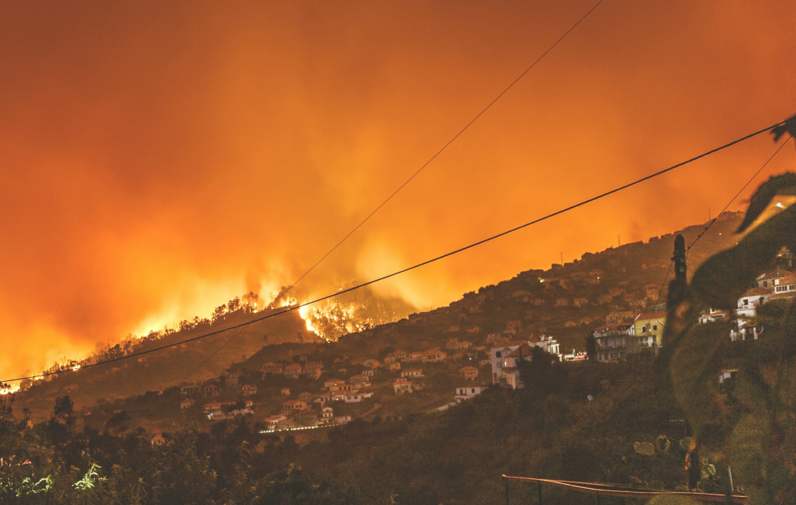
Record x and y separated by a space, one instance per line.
159 158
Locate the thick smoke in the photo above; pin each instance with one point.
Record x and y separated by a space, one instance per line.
161 158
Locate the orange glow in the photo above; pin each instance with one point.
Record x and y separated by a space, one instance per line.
161 158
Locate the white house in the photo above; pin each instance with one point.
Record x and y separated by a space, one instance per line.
466 392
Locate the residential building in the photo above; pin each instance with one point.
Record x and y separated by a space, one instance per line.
750 301
295 405
466 392
412 373
276 421
402 386
546 343
293 370
272 368
371 363
454 344
248 390
434 356
186 403
189 390
611 342
648 326
504 362
357 397
211 389
469 373
285 392
394 367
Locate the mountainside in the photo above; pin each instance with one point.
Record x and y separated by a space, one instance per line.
567 301
159 370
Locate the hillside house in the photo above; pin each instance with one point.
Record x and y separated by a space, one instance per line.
611 343
768 280
285 392
652 292
648 326
504 361
313 370
415 356
189 390
467 392
580 301
369 372
248 390
454 344
785 286
327 415
402 386
295 405
546 343
434 356
712 315
333 385
157 439
357 397
394 367
359 380
750 300
340 420
211 390
272 368
186 403
412 373
469 373
293 370
276 422
371 363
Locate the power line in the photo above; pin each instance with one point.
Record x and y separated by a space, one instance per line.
726 206
434 156
416 266
736 195
447 144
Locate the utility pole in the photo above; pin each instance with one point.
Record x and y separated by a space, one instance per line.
679 285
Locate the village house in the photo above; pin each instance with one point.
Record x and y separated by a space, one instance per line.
357 397
333 385
580 301
305 396
359 380
157 439
415 356
402 386
466 392
313 370
784 286
189 390
340 420
327 415
293 370
271 368
412 373
712 315
434 356
611 343
186 403
648 326
369 372
546 343
504 362
211 390
248 390
454 344
371 363
275 422
394 367
285 392
295 405
469 373
652 292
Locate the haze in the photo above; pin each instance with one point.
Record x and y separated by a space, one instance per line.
159 158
